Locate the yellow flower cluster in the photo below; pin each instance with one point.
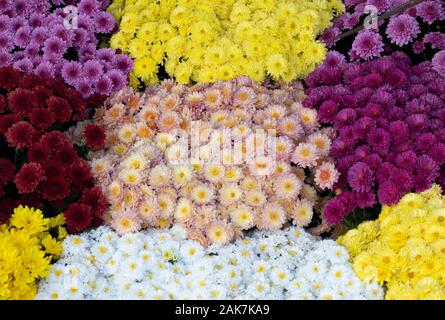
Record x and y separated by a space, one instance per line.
27 248
404 248
207 41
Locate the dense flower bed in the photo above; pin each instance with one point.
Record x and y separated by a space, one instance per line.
40 37
39 166
221 40
193 141
27 249
389 117
405 248
155 177
416 30
284 264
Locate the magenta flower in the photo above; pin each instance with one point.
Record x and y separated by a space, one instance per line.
430 11
368 44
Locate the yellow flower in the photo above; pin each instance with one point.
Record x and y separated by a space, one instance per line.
277 37
31 220
26 252
404 249
52 246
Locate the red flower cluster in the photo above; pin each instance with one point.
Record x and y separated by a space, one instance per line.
39 166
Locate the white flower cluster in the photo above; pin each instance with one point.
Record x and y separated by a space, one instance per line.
154 264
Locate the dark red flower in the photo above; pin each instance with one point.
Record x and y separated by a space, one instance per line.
54 140
42 118
2 190
39 153
80 174
9 78
42 93
57 86
60 107
7 169
95 136
55 188
95 198
66 155
21 135
6 122
95 100
77 103
29 177
78 217
54 168
22 101
30 81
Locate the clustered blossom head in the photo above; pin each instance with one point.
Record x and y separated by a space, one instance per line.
40 38
30 243
220 40
389 118
155 175
404 249
413 29
39 166
154 264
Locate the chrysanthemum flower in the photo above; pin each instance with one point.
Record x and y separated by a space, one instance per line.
148 211
203 216
159 176
244 96
272 217
302 213
326 175
305 154
360 177
287 186
21 135
127 133
135 161
124 223
29 177
321 141
78 217
243 217
184 210
439 62
168 121
114 114
95 136
430 11
230 193
402 29
130 177
202 194
181 175
368 44
212 98
220 233
214 172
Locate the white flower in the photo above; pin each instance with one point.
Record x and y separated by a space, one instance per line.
102 252
153 264
280 276
191 251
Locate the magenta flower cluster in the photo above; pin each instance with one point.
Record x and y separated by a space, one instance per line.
42 37
390 116
413 29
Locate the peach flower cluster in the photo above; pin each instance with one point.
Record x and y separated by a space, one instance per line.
159 167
